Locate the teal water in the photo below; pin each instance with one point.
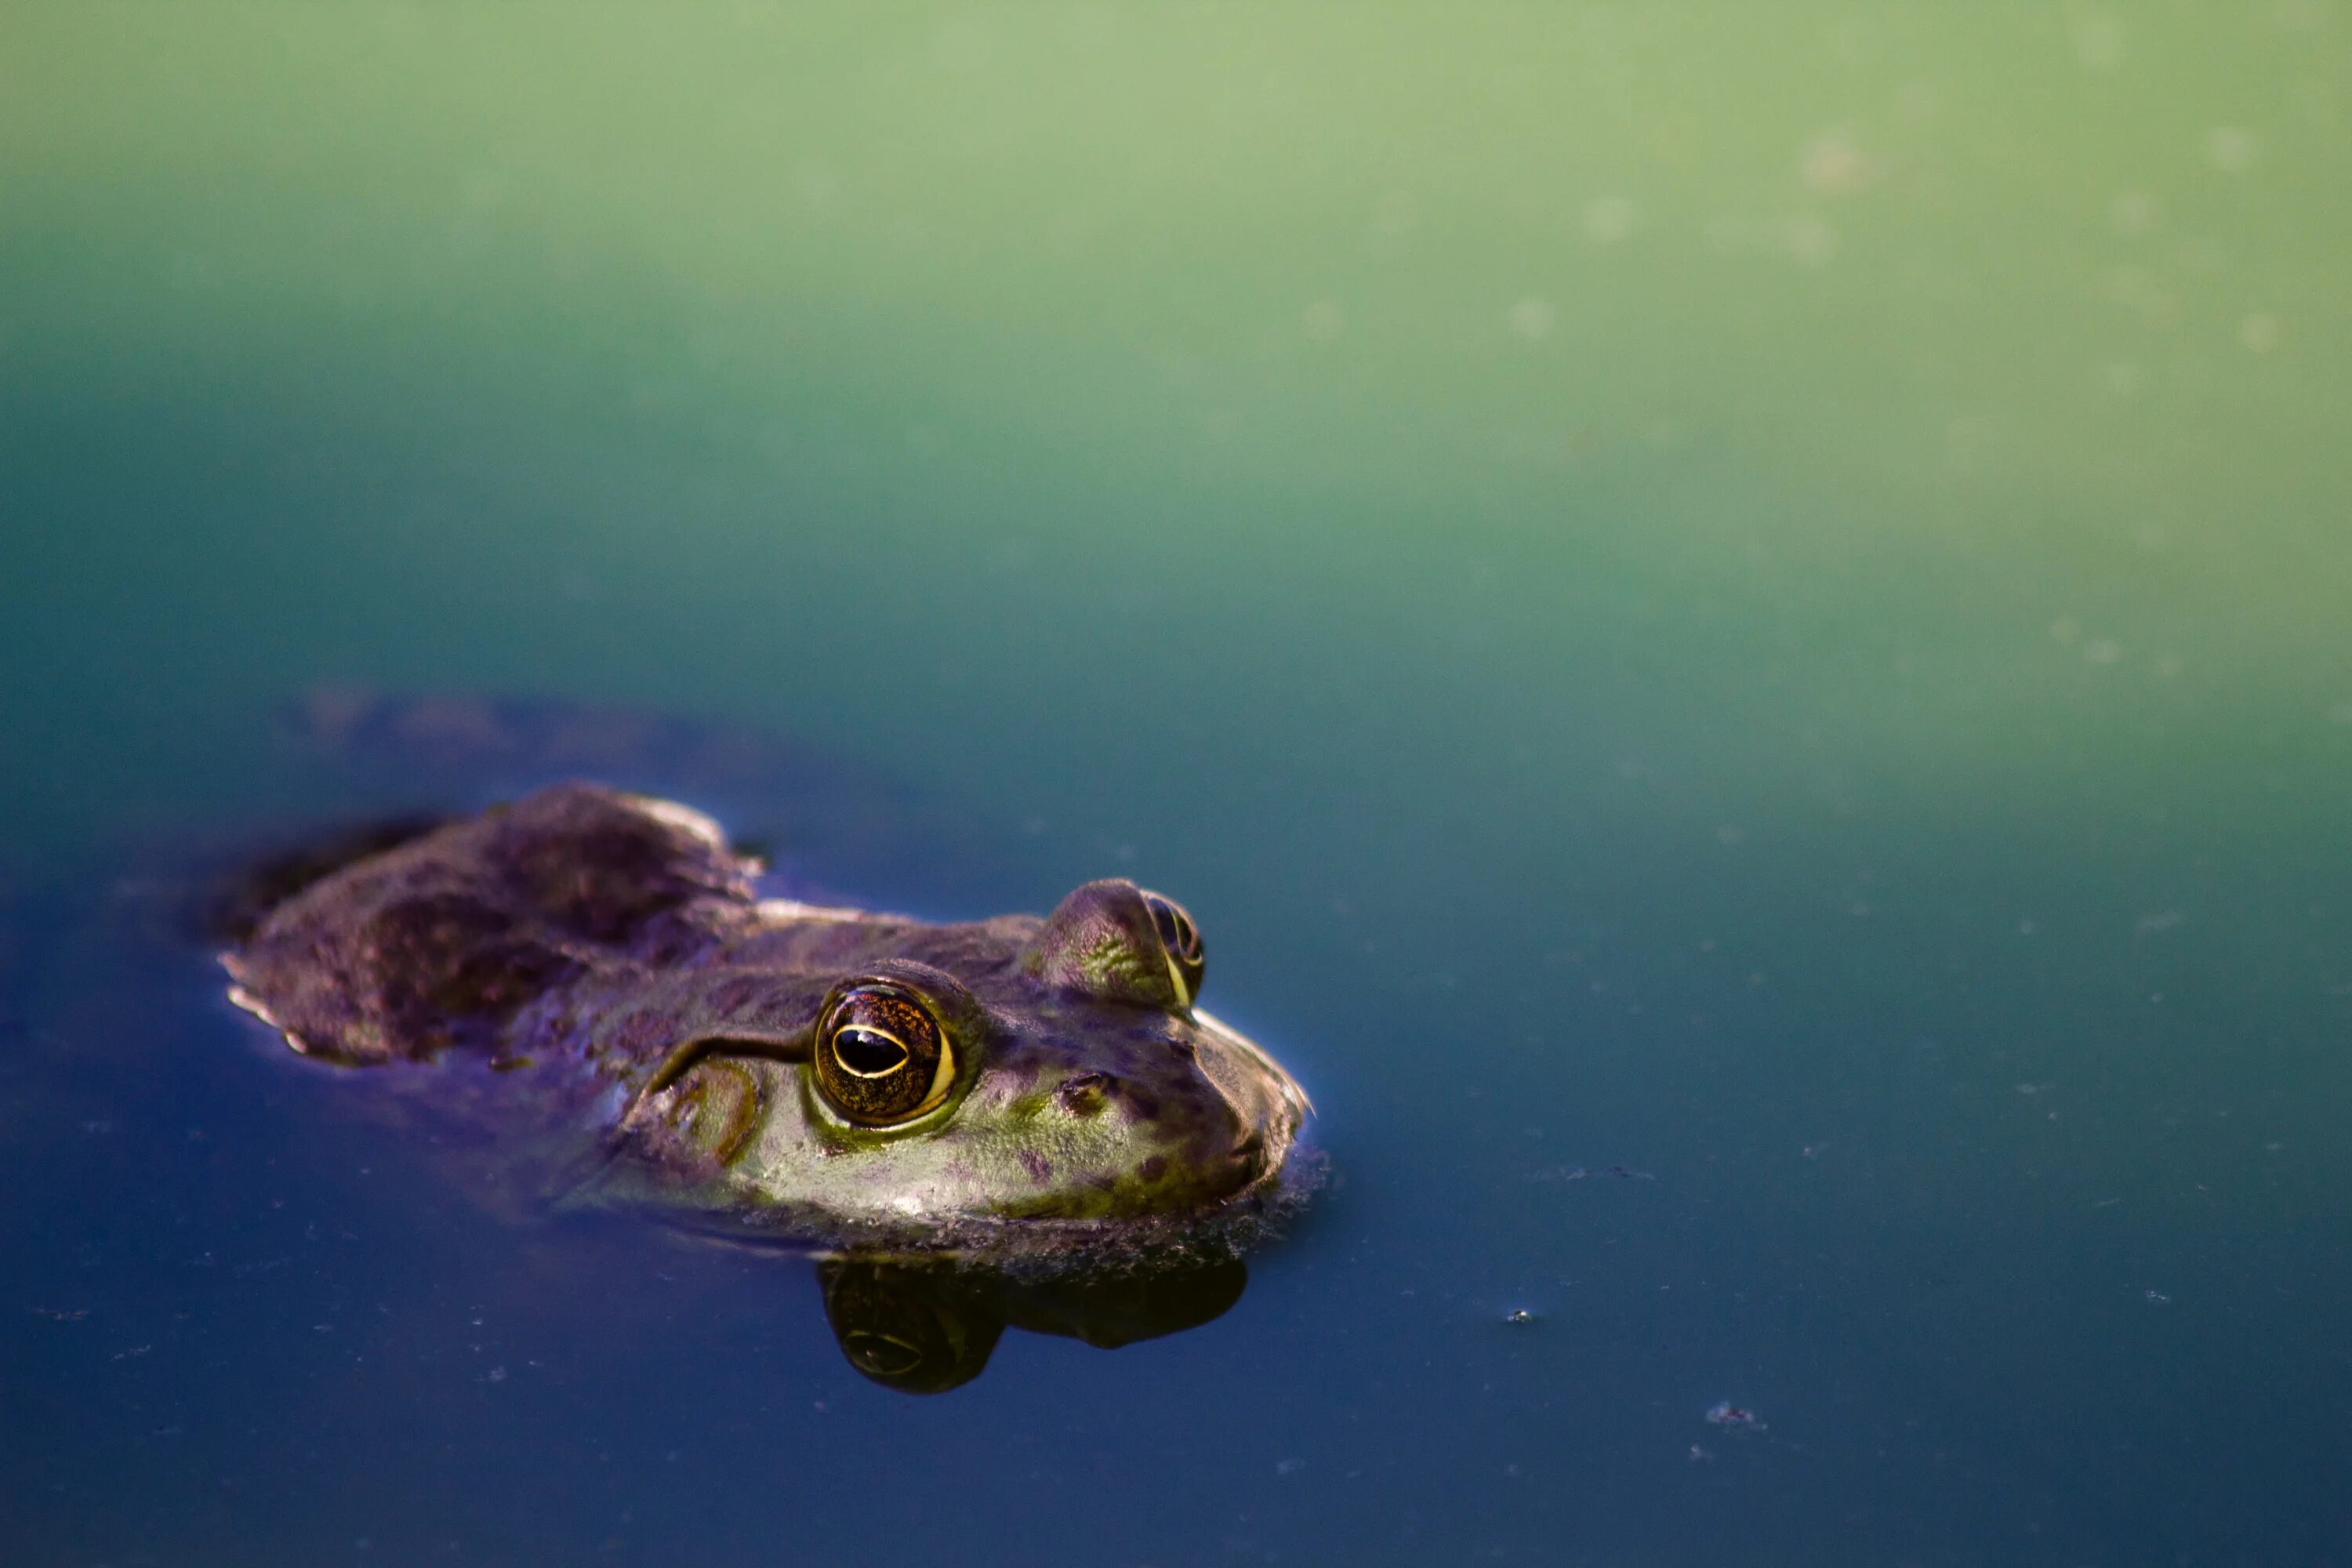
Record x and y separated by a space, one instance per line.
1753 598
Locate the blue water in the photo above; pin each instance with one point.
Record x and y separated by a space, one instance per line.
1911 1157
1733 628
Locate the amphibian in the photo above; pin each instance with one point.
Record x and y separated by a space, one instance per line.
599 968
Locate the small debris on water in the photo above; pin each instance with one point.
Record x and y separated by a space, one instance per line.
1288 1467
1518 1317
2156 1298
1699 1455
63 1314
1579 1173
1738 1417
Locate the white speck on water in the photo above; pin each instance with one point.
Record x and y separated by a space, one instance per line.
2099 36
1288 1467
2025 928
2065 629
1324 321
1609 219
1533 318
1809 241
2259 334
2133 211
2163 920
2233 148
498 1374
1834 165
2102 650
2156 1297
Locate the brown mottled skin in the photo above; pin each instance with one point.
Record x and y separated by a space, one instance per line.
611 950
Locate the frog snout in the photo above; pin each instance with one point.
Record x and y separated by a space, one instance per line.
1238 1150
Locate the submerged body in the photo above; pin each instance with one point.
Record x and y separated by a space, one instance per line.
594 970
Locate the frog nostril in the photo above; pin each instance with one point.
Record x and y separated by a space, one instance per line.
1085 1094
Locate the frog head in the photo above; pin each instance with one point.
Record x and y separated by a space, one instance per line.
885 1070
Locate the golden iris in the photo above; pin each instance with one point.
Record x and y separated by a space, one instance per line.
881 1057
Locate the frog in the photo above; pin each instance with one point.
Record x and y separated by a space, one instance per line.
601 977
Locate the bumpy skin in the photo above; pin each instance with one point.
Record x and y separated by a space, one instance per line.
607 954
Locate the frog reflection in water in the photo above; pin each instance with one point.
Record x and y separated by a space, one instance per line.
588 970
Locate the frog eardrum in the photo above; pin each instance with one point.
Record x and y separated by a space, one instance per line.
881 1057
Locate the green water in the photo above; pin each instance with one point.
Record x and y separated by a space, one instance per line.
1752 591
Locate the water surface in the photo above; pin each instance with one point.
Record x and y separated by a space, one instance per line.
1748 604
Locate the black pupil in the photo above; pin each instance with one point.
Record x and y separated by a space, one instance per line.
867 1051
1175 931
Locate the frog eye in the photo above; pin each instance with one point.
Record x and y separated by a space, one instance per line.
1181 940
881 1057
